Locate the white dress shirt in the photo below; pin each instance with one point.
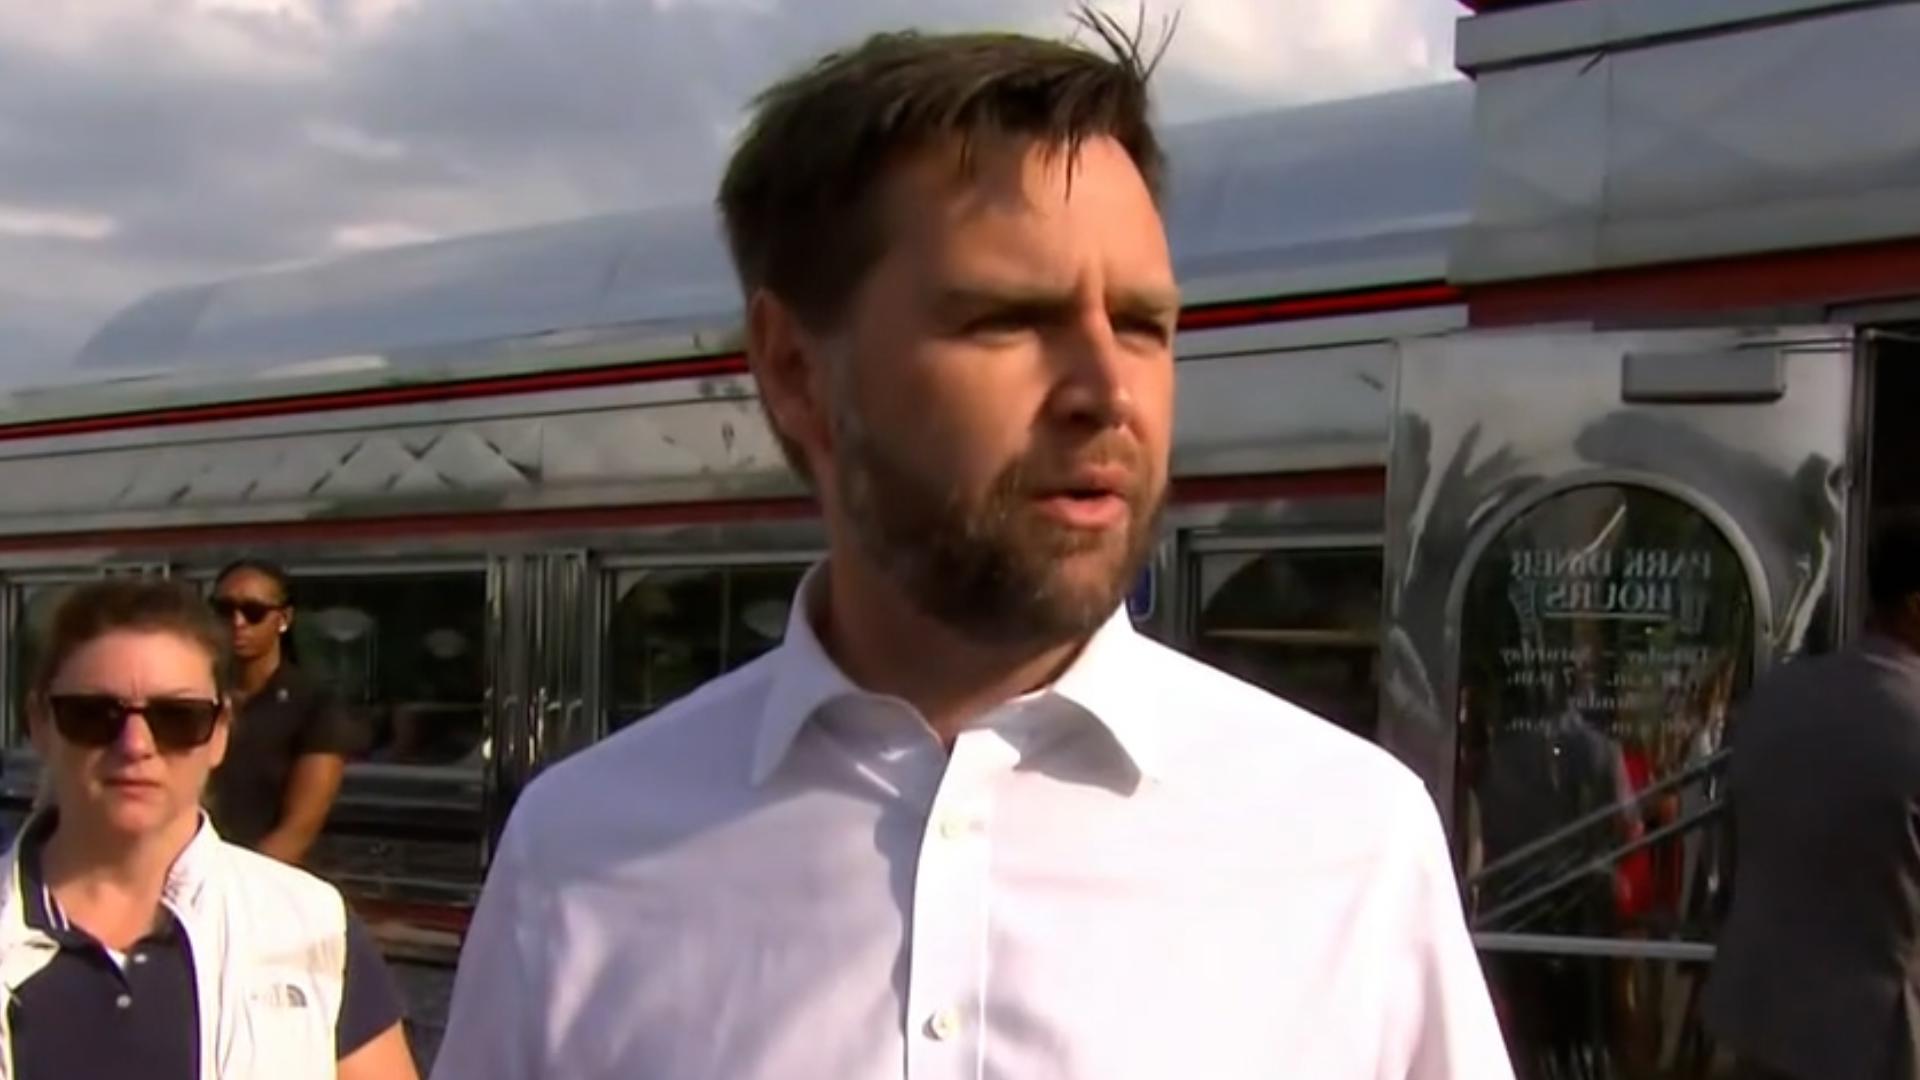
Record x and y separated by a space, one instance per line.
1147 870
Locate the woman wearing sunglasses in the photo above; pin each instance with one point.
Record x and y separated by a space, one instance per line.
290 738
133 940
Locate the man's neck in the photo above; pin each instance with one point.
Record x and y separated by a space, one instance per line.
887 646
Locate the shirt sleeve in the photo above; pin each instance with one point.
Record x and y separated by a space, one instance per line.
1444 1027
493 1027
328 727
370 1004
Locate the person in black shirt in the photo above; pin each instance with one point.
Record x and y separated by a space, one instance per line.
133 940
1816 973
290 738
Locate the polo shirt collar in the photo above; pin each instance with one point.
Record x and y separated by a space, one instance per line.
37 906
1109 681
185 878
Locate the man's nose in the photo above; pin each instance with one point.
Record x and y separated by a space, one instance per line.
1093 387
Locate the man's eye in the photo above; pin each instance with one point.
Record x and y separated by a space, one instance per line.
1000 322
1152 330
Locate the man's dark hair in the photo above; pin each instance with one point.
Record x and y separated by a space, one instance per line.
1893 559
798 198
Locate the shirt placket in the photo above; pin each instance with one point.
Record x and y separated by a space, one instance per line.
947 967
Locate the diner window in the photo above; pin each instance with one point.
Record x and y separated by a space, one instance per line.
33 605
672 628
1303 623
1604 635
405 653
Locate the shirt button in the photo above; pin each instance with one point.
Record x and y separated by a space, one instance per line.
944 1024
139 958
954 826
123 1002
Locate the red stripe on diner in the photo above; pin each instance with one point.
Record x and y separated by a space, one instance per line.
1326 305
452 918
1212 317
1326 484
423 525
419 393
1692 292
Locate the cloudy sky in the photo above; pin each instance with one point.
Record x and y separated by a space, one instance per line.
146 143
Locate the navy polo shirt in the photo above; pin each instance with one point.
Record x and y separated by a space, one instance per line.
290 716
90 1013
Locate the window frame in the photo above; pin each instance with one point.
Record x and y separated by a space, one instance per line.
1758 659
13 723
1196 546
606 571
202 575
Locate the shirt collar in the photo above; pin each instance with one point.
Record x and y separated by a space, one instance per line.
1107 681
805 678
185 878
37 903
1111 680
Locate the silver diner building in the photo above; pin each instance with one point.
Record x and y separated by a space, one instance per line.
1523 421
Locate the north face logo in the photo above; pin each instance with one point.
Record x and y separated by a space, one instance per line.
281 996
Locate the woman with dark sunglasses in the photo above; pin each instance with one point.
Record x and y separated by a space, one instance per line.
133 940
290 739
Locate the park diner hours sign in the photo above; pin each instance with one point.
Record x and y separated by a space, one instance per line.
1616 607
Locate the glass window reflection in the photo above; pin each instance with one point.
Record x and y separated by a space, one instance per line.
1604 1018
1302 623
34 604
406 653
671 629
1603 637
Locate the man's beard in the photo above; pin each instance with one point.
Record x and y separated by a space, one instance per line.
992 570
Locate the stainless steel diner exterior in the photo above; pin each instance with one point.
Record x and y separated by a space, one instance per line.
1522 422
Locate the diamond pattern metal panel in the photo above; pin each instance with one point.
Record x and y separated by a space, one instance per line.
372 469
406 464
466 461
296 468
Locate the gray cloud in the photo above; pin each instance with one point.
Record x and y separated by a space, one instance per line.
146 143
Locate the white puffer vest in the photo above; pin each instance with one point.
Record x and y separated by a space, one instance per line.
269 945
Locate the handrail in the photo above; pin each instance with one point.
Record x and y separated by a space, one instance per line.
1604 861
1623 806
1613 948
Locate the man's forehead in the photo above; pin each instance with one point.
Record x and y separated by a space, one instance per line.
1003 171
940 197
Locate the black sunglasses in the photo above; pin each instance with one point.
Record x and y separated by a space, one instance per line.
253 611
96 720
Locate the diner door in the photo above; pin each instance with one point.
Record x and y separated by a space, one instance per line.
1595 542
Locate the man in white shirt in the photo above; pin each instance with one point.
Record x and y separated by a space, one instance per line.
964 821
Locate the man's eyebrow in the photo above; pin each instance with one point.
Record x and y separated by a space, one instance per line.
1146 300
1150 300
978 296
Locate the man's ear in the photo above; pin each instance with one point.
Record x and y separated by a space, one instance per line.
787 364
